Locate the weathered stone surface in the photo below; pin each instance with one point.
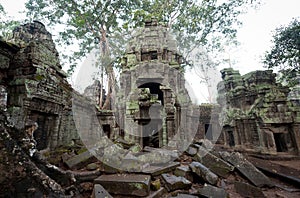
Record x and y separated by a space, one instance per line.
84 176
79 161
173 182
205 143
260 115
158 170
109 169
272 168
94 92
154 158
184 196
151 81
247 169
3 97
92 166
184 171
247 190
155 185
135 148
204 173
212 191
158 194
19 175
215 164
173 154
192 150
38 86
100 192
125 184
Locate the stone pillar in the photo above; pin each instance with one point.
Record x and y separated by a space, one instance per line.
269 145
294 98
296 130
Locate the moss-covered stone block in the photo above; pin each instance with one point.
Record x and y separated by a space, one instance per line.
132 184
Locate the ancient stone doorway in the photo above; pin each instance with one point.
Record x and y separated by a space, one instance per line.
151 127
150 133
106 130
280 142
231 138
208 131
154 89
46 124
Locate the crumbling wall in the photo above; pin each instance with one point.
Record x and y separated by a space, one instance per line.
257 114
208 126
34 86
7 51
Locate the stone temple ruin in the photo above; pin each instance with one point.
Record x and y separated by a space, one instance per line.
153 103
36 87
163 141
260 115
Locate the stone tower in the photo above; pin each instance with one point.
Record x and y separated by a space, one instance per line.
153 104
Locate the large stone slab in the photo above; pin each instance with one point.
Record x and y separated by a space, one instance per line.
203 172
100 192
185 196
184 171
125 184
173 182
247 190
247 169
214 163
155 158
192 150
79 161
165 152
212 191
158 170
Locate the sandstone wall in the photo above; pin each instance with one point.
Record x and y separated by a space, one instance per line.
33 86
259 114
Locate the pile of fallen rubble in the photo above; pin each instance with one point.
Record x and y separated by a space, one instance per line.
202 170
199 171
151 172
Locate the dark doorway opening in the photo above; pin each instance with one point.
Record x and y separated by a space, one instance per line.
147 56
280 142
154 89
46 124
151 133
231 138
151 125
208 131
106 129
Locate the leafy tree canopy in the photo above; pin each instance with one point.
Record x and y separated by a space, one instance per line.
6 24
285 53
90 23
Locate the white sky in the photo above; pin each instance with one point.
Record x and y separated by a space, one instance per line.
255 34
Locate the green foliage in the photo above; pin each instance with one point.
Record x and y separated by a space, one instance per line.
286 50
89 22
196 23
7 24
86 23
285 53
288 76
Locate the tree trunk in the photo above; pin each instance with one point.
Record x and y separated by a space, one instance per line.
105 53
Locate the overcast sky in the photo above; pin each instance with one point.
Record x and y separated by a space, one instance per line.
255 34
